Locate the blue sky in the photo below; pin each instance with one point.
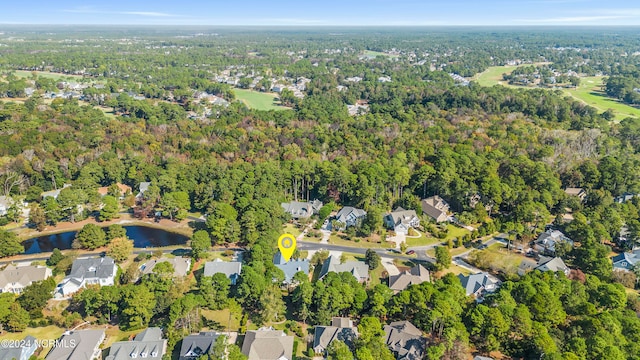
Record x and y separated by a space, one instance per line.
326 12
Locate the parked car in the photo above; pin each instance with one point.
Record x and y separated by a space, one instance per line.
411 252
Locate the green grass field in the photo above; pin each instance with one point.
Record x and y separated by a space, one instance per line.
258 100
373 54
589 92
46 74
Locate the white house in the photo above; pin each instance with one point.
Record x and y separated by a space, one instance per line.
96 271
14 279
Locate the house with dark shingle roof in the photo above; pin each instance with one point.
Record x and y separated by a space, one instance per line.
231 269
95 271
14 279
546 242
405 340
477 285
341 329
148 344
544 264
19 350
299 210
414 276
626 261
86 345
194 346
400 220
358 269
435 207
267 344
291 267
350 216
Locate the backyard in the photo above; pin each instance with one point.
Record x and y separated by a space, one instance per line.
259 100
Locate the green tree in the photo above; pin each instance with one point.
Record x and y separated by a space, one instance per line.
18 318
110 209
35 296
38 217
338 350
443 257
200 243
90 237
9 244
372 259
215 290
223 224
136 306
55 258
272 306
116 231
120 249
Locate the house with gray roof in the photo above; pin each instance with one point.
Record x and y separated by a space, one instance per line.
626 261
94 271
545 263
148 344
180 265
27 347
414 276
14 278
477 285
291 267
231 269
194 346
624 197
401 220
302 210
54 193
144 186
350 216
546 242
482 358
341 329
405 340
436 208
358 269
78 345
578 192
267 344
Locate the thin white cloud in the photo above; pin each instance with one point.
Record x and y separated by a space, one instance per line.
573 19
89 10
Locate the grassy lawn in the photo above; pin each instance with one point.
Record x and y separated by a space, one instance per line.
375 276
292 229
589 91
258 100
422 240
456 270
455 232
338 240
41 333
497 258
114 334
220 319
373 54
46 74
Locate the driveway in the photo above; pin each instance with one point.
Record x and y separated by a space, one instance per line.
391 268
399 238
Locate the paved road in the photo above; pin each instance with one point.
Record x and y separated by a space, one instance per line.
312 245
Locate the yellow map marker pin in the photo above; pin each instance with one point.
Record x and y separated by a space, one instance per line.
287 245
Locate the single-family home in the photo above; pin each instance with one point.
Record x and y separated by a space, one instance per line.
358 269
400 220
545 263
341 329
477 285
579 192
436 208
624 197
19 350
54 193
482 358
148 344
626 261
350 216
267 344
194 346
180 265
405 340
14 278
94 271
5 204
144 186
547 241
124 190
414 276
231 269
291 267
78 345
299 210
